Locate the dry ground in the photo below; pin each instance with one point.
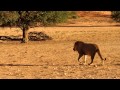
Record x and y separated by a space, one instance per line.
55 59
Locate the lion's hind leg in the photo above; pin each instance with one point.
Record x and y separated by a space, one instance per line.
92 58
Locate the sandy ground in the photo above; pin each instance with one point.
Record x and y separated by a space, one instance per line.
55 59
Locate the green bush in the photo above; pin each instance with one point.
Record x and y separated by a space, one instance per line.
72 15
8 18
116 15
24 19
53 17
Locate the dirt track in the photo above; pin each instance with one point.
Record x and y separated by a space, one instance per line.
55 58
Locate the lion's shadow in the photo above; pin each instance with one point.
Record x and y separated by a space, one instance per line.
17 65
35 65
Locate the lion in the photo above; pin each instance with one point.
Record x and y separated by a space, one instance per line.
87 49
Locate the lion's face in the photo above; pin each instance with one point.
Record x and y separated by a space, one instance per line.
78 45
75 47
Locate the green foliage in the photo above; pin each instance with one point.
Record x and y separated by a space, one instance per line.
116 15
72 15
8 18
24 19
53 17
27 18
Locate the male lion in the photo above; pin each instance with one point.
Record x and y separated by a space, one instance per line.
87 49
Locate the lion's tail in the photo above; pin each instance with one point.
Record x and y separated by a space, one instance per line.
98 51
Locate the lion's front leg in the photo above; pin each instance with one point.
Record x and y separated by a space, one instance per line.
80 55
85 60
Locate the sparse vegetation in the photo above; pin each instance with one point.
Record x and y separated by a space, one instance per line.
56 58
116 15
24 19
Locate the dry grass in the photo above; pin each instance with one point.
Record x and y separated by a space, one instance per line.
56 58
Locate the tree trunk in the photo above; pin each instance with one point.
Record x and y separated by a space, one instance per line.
25 35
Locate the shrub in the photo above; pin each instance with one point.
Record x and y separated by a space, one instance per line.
116 15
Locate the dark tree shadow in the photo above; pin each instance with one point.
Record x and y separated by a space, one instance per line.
38 36
32 36
10 38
